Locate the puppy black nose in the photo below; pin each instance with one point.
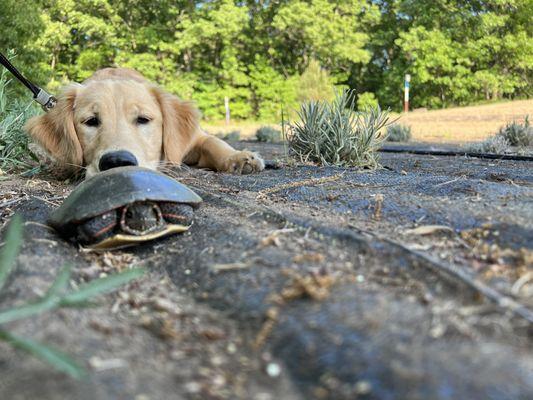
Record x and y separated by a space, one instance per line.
116 159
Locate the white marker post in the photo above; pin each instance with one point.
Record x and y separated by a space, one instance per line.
406 93
226 105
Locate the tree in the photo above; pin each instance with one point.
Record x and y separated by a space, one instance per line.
315 84
457 51
21 26
272 91
332 32
267 55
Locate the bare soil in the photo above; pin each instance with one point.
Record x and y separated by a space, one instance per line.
412 281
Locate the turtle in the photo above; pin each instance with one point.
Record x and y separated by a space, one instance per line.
124 206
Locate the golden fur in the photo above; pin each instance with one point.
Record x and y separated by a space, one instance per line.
118 97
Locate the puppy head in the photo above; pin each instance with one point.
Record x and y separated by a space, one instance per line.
112 122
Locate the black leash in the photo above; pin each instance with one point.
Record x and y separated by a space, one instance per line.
46 100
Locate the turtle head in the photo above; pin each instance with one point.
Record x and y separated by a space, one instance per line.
141 218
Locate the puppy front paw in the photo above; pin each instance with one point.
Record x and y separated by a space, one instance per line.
244 162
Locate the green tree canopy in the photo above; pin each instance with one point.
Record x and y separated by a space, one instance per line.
266 56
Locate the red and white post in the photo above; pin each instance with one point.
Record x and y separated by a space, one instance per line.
406 93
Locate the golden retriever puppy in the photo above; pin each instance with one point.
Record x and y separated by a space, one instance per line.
117 118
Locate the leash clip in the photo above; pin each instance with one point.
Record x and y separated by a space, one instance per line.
46 100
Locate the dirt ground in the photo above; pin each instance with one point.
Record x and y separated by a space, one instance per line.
303 282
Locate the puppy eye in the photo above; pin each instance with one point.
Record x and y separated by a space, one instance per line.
93 121
142 120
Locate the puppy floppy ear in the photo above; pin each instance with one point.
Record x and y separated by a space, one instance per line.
55 130
180 125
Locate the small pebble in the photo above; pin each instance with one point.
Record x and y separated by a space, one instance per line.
231 348
217 361
219 381
263 396
363 387
273 370
360 278
320 392
193 387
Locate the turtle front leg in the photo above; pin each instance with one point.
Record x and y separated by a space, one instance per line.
97 228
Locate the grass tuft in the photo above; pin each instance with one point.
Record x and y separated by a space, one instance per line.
15 154
518 134
268 134
511 134
8 254
398 133
494 144
334 133
57 296
231 136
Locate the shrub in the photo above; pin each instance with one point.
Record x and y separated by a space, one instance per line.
494 144
398 133
268 134
315 84
512 134
335 134
367 100
272 90
232 136
517 134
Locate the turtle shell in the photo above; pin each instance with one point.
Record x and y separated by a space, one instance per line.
116 188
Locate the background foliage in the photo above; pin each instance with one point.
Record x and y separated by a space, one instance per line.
267 55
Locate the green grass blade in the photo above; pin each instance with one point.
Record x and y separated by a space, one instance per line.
55 358
79 297
100 286
11 248
50 301
79 304
28 310
60 282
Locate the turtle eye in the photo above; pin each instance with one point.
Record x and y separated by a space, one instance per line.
142 120
92 121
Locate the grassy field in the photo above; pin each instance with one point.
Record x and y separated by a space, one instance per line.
459 125
465 124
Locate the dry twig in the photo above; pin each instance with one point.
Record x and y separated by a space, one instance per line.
307 182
